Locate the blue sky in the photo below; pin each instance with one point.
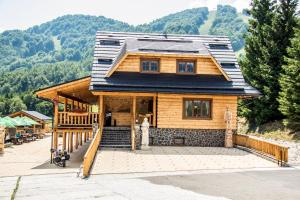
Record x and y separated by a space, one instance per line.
21 14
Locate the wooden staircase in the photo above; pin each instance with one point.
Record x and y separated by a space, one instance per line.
116 137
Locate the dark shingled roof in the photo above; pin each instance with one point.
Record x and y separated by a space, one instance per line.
178 44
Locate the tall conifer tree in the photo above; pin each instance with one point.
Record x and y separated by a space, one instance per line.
270 31
289 98
255 66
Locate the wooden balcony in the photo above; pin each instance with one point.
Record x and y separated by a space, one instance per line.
77 119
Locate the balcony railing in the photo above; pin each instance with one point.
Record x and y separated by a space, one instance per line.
77 118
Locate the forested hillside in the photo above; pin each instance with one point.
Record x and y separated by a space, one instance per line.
61 50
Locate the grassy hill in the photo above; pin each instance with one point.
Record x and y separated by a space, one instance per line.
204 28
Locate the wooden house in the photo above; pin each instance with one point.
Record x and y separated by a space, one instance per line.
183 84
44 122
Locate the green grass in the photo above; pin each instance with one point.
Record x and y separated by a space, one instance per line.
57 44
204 28
13 195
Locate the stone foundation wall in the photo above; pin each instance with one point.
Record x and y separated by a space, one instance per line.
189 137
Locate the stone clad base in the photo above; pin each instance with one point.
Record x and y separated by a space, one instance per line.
187 137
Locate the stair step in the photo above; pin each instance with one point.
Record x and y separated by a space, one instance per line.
115 146
116 137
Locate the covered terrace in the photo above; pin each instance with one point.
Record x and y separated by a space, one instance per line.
75 111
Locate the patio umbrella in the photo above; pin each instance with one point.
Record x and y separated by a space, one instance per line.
24 121
31 121
6 123
16 121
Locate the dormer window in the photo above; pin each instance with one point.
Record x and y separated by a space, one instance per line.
150 65
110 42
219 46
228 65
186 66
105 61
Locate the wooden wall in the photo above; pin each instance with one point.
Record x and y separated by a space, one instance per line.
169 110
168 65
122 118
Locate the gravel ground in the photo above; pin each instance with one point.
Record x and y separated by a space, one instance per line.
294 150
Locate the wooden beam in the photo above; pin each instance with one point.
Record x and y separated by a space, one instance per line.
154 111
65 104
133 123
80 139
55 123
136 94
72 98
220 68
76 140
71 142
100 110
70 84
64 140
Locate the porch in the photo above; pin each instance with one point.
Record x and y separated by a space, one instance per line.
172 160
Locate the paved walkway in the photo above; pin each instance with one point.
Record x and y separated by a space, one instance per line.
173 159
34 158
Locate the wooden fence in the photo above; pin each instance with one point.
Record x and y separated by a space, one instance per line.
91 153
278 152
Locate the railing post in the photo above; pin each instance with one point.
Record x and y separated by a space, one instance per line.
133 123
55 122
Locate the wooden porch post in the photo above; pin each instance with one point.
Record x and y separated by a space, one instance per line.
84 137
76 140
55 123
80 139
133 123
154 111
68 136
100 110
65 104
71 142
64 140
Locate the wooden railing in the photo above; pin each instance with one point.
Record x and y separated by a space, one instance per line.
133 137
77 119
91 153
278 152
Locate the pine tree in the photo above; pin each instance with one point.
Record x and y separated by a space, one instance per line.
270 32
289 98
255 66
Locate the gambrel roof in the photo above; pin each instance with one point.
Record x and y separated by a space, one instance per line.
112 47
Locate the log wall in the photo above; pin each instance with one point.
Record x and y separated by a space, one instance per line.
168 65
170 112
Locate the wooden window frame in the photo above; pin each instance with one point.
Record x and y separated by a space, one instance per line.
197 118
149 59
186 73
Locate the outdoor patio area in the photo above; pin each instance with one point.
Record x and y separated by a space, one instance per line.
175 159
34 158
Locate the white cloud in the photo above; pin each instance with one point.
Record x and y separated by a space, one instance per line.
212 4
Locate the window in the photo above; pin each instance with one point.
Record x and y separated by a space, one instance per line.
228 65
197 108
110 42
219 46
105 61
186 67
150 66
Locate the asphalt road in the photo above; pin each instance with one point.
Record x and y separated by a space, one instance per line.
260 185
243 185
